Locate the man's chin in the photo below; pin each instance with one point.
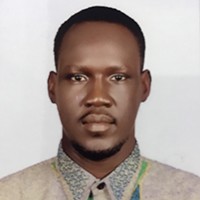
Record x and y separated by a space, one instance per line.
97 155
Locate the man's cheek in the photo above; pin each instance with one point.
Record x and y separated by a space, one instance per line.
78 98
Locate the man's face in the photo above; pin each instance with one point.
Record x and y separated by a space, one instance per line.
99 85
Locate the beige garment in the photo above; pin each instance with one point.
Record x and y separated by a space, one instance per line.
163 182
42 182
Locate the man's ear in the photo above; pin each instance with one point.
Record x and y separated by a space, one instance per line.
146 84
52 86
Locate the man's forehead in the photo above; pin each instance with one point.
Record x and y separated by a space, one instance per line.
102 43
98 32
94 26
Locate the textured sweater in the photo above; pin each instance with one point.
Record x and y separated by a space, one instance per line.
44 182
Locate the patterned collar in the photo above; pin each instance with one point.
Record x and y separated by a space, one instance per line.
81 182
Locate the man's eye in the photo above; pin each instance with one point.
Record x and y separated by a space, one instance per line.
118 77
77 77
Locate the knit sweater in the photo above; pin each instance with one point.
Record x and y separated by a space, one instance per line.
44 182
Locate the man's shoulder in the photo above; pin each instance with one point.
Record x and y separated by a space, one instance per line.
33 179
160 171
37 170
162 178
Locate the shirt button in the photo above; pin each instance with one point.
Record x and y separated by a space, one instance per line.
101 186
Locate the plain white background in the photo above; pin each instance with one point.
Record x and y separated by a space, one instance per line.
168 123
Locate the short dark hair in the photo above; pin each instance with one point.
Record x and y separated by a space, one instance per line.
101 13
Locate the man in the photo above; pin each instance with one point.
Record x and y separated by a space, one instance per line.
98 86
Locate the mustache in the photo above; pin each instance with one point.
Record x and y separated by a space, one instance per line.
96 116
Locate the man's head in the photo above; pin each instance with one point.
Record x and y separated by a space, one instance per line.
99 83
104 14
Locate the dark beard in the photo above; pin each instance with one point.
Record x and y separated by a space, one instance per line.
97 155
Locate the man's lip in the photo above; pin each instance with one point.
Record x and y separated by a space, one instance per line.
97 118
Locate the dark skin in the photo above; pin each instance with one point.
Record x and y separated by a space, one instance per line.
98 88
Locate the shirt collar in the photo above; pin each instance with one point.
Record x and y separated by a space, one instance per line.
81 182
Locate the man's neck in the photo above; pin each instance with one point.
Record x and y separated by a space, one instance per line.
101 168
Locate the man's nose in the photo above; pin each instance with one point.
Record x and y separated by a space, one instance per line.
98 95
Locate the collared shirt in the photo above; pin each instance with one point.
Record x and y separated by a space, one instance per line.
60 178
81 183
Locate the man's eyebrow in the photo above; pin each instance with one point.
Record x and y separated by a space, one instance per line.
117 67
73 67
85 67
